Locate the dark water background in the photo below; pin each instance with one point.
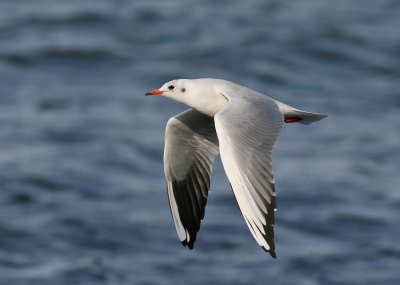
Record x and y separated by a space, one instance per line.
83 199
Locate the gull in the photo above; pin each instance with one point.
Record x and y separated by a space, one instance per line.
242 125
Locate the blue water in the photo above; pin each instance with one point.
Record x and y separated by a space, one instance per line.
83 197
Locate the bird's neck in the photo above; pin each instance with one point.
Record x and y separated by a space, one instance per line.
210 103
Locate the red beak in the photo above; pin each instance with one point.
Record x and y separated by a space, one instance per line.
154 92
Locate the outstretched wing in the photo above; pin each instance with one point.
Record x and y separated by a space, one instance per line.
247 129
190 147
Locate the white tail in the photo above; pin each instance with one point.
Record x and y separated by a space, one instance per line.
293 115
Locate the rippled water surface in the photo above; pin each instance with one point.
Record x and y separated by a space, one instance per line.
83 197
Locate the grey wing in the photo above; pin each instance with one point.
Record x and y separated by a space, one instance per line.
247 130
191 145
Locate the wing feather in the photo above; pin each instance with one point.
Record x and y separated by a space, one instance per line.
247 129
191 145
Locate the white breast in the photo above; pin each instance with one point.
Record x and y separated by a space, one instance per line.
206 97
213 106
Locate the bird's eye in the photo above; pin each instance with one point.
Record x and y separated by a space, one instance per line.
171 87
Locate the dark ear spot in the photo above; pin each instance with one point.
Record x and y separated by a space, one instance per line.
183 90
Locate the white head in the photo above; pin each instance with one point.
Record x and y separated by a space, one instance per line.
174 89
201 94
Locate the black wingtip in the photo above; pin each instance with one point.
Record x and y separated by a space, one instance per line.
270 251
189 244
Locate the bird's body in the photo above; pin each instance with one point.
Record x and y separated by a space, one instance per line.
243 126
